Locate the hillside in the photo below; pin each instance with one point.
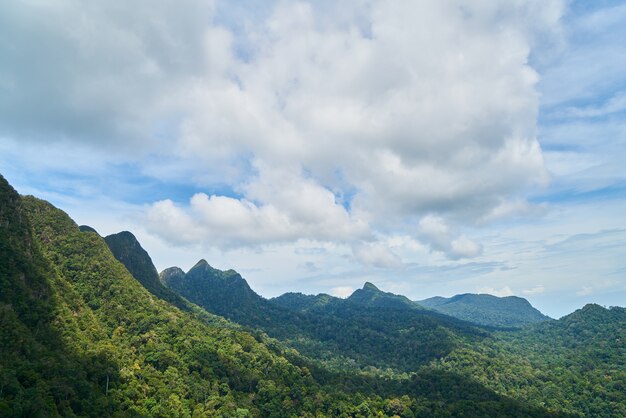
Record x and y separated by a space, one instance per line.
300 302
371 296
356 331
392 333
52 362
489 310
576 363
127 250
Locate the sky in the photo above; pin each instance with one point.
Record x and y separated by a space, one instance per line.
432 148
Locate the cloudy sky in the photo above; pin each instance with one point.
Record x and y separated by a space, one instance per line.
433 147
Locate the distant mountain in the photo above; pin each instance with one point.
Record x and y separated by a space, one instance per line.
127 250
371 296
87 228
489 310
359 328
592 327
224 293
300 302
575 364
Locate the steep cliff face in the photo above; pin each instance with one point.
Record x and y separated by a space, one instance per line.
128 251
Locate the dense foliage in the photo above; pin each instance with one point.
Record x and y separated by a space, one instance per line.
509 311
575 364
371 296
356 332
129 252
296 301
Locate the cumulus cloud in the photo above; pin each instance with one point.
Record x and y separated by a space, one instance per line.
376 255
341 291
339 122
434 230
291 209
502 292
537 290
96 73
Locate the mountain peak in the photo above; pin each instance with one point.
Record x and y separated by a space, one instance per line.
172 270
126 235
87 228
370 286
371 296
128 251
201 263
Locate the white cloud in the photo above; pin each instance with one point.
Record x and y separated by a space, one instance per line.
585 291
290 209
616 103
341 291
501 292
537 290
515 207
376 255
440 237
395 109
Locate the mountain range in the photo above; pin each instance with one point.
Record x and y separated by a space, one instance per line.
88 328
508 311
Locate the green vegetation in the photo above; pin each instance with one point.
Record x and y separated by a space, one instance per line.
83 334
489 310
355 333
371 296
304 303
373 333
575 364
127 250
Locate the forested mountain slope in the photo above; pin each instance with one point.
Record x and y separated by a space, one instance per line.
518 364
53 360
509 311
371 296
576 363
295 301
356 331
127 250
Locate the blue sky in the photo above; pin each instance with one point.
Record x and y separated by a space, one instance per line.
434 148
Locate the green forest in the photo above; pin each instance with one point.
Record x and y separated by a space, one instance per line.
88 327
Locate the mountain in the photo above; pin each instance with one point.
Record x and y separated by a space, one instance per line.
45 328
371 296
489 310
300 302
576 364
377 330
355 332
223 293
127 250
87 228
